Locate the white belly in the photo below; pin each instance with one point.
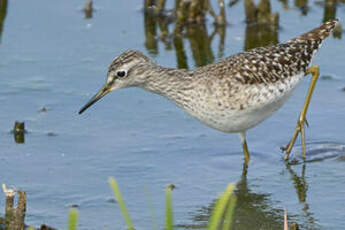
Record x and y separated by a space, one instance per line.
269 99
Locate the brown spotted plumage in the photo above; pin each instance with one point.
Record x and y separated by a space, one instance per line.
269 64
232 95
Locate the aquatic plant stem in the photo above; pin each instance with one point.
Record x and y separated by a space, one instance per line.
73 219
219 208
169 225
119 199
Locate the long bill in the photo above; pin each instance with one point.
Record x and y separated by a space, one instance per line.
104 91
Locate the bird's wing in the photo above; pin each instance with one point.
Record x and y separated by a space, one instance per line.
270 64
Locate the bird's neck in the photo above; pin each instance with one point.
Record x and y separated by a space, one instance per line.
173 84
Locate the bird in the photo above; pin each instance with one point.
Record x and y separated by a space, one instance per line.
232 95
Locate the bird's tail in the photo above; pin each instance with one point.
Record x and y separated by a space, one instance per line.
318 34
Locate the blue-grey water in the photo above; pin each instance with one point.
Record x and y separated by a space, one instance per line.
52 57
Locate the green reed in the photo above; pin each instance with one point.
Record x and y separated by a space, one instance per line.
73 219
221 214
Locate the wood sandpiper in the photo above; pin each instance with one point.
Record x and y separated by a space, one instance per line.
232 95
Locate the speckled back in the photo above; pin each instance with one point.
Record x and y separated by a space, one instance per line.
269 64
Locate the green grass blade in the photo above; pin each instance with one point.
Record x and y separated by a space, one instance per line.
169 225
219 208
118 196
73 219
152 212
229 212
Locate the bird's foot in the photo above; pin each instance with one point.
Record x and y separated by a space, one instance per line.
300 129
302 121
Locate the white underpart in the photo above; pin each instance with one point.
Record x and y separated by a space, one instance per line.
238 121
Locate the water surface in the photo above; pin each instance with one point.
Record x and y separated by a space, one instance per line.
52 57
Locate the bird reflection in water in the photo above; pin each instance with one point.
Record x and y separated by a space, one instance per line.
301 186
255 210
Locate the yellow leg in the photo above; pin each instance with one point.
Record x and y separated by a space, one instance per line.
314 71
245 148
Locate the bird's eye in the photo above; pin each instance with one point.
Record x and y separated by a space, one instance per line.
121 73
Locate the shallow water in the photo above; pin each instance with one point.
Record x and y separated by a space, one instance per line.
52 57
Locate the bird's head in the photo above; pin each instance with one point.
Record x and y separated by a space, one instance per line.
126 70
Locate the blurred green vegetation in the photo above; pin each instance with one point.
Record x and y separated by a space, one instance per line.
3 12
221 214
